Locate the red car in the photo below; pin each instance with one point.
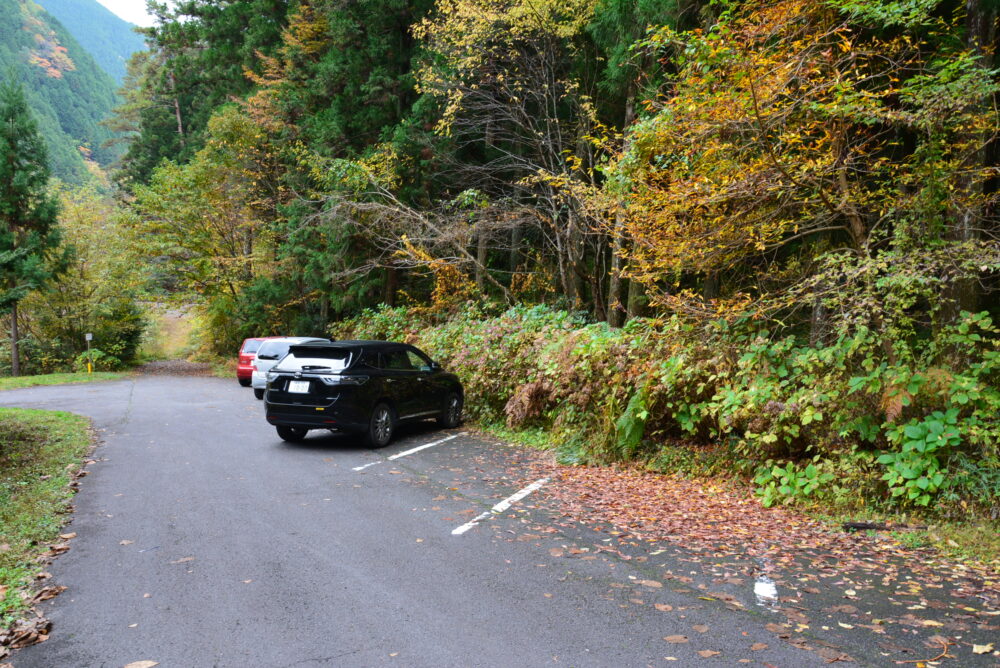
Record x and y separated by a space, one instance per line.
248 353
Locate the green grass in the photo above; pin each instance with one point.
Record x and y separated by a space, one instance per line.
38 452
13 383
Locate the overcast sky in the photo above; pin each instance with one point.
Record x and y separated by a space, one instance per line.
133 11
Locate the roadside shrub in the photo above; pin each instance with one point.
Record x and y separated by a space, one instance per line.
844 423
101 361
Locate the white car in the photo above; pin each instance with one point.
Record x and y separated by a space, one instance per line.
269 354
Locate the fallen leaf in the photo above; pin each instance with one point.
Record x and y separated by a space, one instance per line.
757 646
142 664
982 649
48 592
126 542
663 607
651 583
183 560
932 622
845 626
555 552
676 639
708 653
67 536
832 655
700 628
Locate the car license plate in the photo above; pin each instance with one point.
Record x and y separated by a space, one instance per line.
298 386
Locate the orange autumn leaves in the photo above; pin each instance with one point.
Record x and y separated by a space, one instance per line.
777 129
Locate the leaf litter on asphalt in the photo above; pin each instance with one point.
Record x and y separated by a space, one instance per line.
727 535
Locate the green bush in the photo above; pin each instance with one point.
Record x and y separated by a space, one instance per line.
100 360
839 424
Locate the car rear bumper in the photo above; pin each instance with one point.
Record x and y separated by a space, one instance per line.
244 372
312 418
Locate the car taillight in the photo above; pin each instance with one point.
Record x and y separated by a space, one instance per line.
344 380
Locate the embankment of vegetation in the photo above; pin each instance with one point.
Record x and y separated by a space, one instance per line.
840 425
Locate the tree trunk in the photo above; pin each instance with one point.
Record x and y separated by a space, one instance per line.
15 354
177 108
617 311
481 252
710 288
391 286
980 23
515 248
817 324
636 300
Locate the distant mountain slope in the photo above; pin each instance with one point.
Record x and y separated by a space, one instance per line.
68 91
109 39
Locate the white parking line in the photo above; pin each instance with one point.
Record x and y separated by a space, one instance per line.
500 507
409 452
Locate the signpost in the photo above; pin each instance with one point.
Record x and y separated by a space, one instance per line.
90 365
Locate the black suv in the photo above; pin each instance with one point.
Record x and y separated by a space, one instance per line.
364 387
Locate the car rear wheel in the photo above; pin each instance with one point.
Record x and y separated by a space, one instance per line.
258 392
380 426
244 382
292 434
451 417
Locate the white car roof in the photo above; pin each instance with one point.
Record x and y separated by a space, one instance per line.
295 339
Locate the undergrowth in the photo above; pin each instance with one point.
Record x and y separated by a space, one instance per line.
846 425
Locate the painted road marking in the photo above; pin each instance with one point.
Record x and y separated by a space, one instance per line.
409 452
500 507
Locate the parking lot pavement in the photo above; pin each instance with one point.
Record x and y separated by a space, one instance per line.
204 540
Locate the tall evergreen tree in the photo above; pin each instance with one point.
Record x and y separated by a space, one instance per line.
28 231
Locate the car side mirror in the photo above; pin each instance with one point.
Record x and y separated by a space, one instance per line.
435 366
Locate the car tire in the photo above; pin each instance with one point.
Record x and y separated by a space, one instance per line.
244 382
451 416
292 434
380 426
258 392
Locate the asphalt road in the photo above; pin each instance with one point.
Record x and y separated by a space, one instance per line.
204 540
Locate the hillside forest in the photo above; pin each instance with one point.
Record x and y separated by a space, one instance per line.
69 94
742 236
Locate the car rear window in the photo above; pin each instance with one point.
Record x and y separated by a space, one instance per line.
250 346
317 359
278 348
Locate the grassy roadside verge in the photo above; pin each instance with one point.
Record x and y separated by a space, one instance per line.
56 379
39 451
